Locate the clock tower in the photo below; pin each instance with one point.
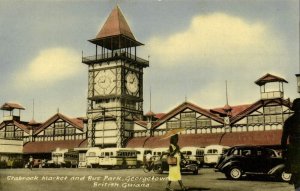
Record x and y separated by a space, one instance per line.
115 83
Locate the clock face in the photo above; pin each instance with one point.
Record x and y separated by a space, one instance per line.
104 83
132 82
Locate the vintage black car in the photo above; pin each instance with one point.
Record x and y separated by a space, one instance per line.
252 161
161 165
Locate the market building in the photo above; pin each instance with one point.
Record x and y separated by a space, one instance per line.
20 139
115 116
258 123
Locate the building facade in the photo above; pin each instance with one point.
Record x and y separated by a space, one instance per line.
20 139
115 116
229 125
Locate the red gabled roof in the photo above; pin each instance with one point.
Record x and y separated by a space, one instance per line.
2 125
77 123
235 110
159 115
32 122
253 107
49 146
21 126
115 25
11 106
16 123
238 109
269 78
187 105
263 138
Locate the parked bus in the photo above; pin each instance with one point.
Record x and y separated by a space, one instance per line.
212 154
64 158
194 154
92 157
141 154
81 156
118 157
71 158
157 152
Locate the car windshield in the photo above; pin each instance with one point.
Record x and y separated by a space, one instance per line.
241 152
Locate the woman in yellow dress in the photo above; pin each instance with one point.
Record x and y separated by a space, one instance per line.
174 170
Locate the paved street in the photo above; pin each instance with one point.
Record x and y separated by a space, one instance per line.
125 179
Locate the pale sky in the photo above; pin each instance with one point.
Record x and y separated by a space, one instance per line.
194 47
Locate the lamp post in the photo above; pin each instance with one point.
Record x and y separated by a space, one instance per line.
103 121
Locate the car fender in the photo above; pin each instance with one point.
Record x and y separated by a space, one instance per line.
229 164
277 169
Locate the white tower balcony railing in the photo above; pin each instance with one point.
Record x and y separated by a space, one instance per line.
11 117
271 95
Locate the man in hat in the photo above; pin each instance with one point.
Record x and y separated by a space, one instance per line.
291 134
30 163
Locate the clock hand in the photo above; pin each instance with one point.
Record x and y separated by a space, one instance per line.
131 80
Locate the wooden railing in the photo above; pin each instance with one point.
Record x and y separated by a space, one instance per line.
271 95
115 54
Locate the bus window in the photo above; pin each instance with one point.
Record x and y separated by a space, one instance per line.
212 151
92 154
200 152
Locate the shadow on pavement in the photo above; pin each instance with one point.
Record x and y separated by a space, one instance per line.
253 178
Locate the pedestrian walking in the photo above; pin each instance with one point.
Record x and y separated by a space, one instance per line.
174 169
291 151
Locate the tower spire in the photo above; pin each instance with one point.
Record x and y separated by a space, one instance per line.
115 24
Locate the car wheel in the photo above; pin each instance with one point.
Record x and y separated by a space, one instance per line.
285 176
234 173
